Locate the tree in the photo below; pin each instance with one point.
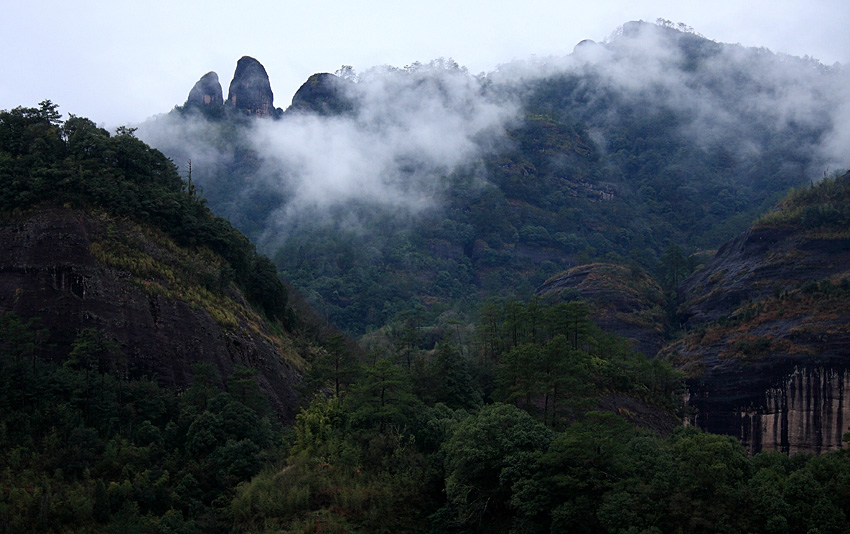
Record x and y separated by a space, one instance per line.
21 338
486 455
382 397
335 366
675 267
450 380
519 381
49 111
265 288
242 386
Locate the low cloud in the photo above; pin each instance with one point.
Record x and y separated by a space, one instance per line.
412 127
409 129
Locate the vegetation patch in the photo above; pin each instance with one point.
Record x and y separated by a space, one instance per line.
161 267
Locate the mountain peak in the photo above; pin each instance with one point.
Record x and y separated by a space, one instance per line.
250 90
322 93
206 91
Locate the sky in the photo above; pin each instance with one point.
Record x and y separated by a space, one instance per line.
119 62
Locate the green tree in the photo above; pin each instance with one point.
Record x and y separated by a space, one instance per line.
335 367
382 397
486 455
449 381
675 267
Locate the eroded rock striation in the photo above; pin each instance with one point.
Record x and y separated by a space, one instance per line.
64 266
768 333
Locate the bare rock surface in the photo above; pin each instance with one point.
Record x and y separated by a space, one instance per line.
206 91
250 90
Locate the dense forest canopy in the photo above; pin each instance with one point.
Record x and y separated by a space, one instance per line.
386 446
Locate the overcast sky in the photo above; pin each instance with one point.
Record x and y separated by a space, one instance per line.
119 62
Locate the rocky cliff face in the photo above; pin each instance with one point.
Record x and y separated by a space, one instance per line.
768 339
250 90
206 91
623 301
77 270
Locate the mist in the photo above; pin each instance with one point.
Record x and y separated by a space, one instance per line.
410 128
727 94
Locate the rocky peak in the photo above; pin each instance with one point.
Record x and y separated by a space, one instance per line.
322 93
206 92
250 90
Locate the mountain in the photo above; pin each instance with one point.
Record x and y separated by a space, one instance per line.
206 92
427 188
149 356
478 231
400 201
250 93
250 90
78 270
766 327
322 93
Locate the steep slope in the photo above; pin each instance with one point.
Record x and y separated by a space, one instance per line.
322 93
250 90
206 92
100 233
77 270
767 340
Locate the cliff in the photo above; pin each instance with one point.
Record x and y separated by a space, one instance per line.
767 328
76 269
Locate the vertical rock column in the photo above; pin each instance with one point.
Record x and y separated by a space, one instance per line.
250 90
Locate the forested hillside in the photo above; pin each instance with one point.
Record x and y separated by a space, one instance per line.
424 189
148 354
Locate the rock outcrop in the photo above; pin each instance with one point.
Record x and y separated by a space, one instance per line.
51 267
322 93
250 91
768 334
206 92
623 301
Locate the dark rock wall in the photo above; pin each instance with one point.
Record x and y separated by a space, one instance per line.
48 271
206 91
250 90
768 358
805 409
